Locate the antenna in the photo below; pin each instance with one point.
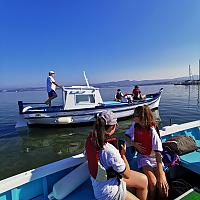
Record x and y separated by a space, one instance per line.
86 79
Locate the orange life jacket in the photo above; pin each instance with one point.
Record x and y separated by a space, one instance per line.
92 154
143 136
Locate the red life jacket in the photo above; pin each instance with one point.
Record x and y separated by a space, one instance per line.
136 93
144 136
92 153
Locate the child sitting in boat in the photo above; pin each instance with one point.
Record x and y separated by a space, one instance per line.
110 172
143 136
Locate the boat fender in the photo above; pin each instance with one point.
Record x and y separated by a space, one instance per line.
70 182
26 109
64 120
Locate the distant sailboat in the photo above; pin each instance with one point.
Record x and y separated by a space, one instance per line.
191 80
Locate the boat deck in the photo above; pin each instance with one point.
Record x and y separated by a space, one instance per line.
85 191
190 161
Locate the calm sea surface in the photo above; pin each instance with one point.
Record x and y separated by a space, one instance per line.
34 147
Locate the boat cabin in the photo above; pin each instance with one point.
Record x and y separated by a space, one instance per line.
77 97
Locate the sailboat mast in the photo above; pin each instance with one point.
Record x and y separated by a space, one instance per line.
199 70
189 73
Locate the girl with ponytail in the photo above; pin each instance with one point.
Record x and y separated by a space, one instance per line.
110 173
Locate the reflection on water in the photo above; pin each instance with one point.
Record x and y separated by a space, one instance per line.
191 89
38 146
34 147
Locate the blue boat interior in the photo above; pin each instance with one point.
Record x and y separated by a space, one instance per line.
40 188
190 161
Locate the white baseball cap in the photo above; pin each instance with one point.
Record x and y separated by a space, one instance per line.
109 117
51 72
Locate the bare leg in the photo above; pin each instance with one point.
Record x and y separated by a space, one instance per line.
151 181
139 182
130 196
48 101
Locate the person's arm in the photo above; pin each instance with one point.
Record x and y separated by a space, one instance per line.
161 178
127 172
60 86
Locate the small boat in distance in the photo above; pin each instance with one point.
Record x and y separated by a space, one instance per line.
81 104
68 179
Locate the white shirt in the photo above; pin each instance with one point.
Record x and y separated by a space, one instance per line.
110 157
50 85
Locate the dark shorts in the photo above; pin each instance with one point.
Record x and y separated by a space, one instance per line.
52 93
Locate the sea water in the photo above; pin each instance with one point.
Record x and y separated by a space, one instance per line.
34 147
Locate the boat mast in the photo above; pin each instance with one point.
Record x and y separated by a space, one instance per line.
199 71
86 79
190 74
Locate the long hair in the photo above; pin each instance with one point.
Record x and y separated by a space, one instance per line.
100 129
145 115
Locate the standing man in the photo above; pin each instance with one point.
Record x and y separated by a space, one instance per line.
51 87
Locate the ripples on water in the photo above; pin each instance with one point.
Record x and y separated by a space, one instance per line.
22 151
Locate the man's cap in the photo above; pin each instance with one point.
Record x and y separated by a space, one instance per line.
136 86
51 72
109 117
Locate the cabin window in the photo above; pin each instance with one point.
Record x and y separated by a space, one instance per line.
85 99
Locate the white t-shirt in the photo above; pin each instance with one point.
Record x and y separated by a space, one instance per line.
50 85
110 157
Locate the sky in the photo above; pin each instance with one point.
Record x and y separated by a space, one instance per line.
111 40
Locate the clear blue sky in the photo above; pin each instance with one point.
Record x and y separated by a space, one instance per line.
110 39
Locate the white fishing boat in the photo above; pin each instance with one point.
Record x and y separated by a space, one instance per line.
80 104
69 178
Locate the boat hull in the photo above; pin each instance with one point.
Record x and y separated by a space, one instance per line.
58 116
82 116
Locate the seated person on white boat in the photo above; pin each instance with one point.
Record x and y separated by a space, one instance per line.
143 136
137 95
119 95
110 172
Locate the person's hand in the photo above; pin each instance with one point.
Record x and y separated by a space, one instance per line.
139 147
123 149
163 186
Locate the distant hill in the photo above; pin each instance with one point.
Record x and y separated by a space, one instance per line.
123 83
127 83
